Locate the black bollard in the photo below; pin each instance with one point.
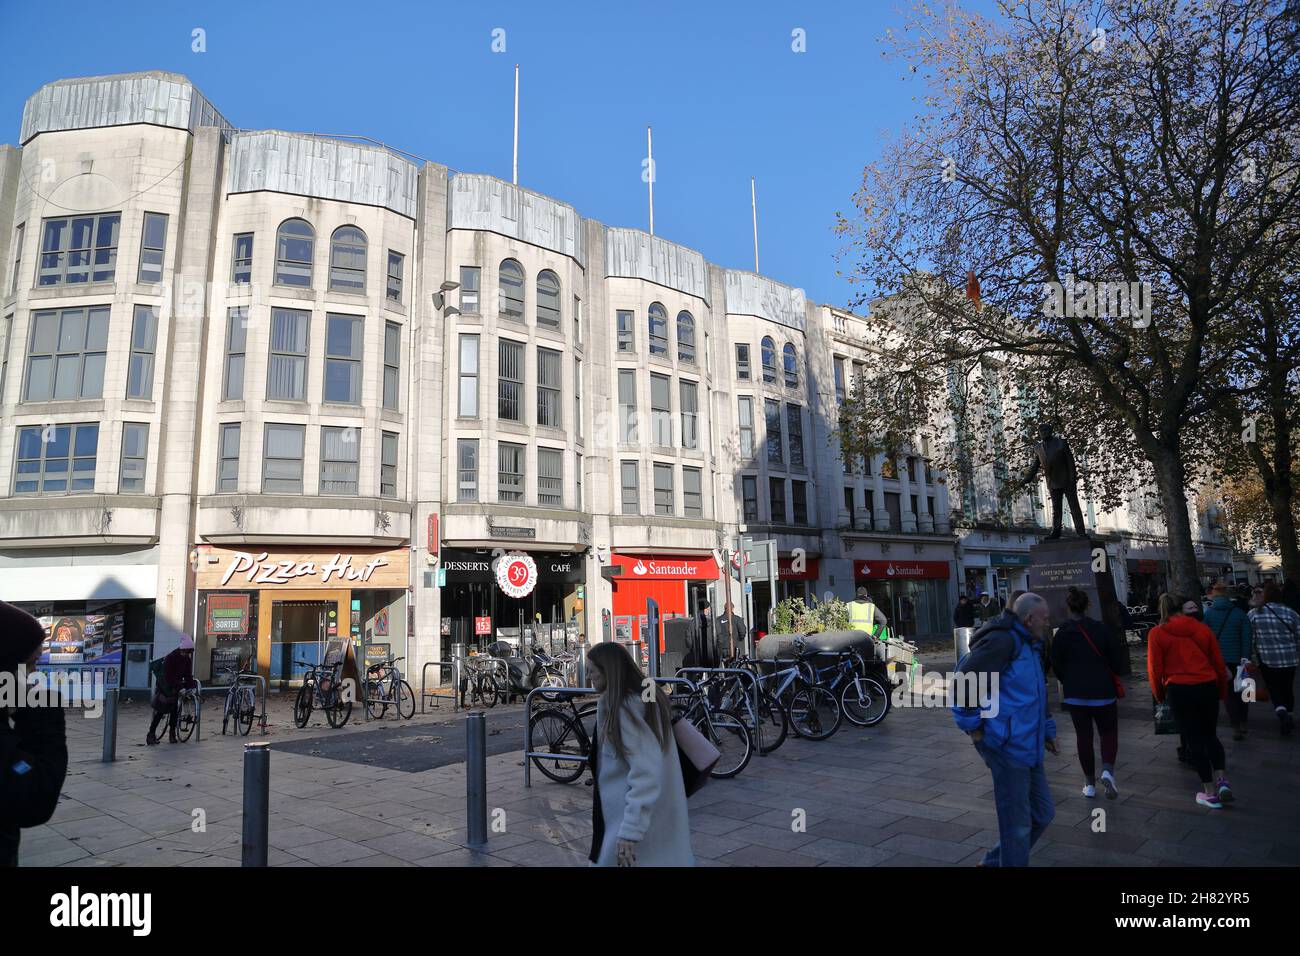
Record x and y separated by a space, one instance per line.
476 779
257 803
110 724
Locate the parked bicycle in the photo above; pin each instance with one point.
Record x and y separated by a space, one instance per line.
241 705
768 725
858 686
567 730
724 728
322 688
812 710
480 681
385 688
187 716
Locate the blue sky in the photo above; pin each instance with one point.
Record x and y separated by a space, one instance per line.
726 95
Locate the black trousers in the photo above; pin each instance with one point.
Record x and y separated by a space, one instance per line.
1280 682
1196 708
1076 512
168 714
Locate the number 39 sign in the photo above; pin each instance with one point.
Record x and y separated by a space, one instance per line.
516 574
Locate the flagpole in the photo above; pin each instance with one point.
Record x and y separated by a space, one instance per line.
650 155
753 206
515 175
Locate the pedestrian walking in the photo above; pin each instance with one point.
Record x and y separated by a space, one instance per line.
639 813
1086 656
964 614
1012 736
177 675
1185 667
1277 632
33 745
1232 629
731 631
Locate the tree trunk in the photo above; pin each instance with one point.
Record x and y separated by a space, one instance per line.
1184 576
1287 545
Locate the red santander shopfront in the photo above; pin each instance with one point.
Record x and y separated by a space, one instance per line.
677 582
913 594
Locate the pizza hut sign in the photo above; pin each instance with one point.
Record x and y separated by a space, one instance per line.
516 574
257 569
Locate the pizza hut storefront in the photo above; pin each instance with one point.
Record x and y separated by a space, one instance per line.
913 594
277 606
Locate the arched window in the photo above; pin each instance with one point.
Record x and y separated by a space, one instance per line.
791 366
548 299
685 337
348 260
510 297
294 245
769 359
658 329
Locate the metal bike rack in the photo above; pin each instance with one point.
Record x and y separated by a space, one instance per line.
738 671
198 710
528 726
262 680
426 695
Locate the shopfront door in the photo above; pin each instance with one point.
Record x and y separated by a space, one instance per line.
298 623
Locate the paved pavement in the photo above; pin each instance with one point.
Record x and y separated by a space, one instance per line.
909 792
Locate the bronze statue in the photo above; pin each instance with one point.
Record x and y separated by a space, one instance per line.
1057 465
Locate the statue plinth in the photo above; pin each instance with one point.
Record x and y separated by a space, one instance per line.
1056 565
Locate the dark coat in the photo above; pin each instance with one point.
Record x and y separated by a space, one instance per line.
964 615
1082 672
33 763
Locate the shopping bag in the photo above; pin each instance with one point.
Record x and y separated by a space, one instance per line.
697 753
1164 719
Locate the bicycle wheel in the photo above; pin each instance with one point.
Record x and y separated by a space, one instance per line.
230 710
815 713
337 710
247 712
491 691
302 705
773 726
405 700
728 733
376 706
864 701
555 732
188 717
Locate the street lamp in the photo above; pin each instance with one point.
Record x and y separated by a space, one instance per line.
440 297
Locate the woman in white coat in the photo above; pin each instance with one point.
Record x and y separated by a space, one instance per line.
639 805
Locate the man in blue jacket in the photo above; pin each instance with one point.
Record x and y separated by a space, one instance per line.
1012 734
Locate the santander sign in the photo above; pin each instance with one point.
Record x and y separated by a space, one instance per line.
650 567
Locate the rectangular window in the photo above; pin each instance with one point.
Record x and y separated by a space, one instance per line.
773 412
746 422
794 420
19 235
469 290
228 459
577 319
627 405
692 495
894 507
510 381
799 496
56 459
510 472
241 259
839 380
664 503
631 492
469 376
690 415
577 482
851 506
7 333
661 413
626 335
549 372
742 362
144 338
577 396
467 469
153 243
232 387
395 265
388 464
749 497
776 499
65 359
135 449
79 249
392 364
286 377
343 359
282 459
339 460
550 477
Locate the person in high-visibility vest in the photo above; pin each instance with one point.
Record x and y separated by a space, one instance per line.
865 616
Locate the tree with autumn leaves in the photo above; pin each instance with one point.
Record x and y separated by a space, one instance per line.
1087 222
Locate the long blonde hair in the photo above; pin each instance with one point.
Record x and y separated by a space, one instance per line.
1170 604
624 679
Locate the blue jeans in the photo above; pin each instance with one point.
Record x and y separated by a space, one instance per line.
1024 806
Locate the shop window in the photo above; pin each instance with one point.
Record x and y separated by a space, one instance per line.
388 465
282 459
56 460
153 245
228 459
664 498
295 245
631 497
348 260
467 469
135 448
79 249
286 378
241 259
549 373
66 357
343 346
510 381
232 385
690 414
550 477
510 472
144 338
692 493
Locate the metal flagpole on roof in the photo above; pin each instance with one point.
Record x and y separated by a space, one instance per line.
650 175
515 174
753 206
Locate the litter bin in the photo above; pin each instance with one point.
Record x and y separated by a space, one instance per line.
961 640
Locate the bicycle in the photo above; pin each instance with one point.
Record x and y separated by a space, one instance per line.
481 684
862 698
563 729
187 713
813 711
241 705
385 687
321 688
769 726
724 729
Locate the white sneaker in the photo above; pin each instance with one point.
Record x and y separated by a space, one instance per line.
1108 781
1089 790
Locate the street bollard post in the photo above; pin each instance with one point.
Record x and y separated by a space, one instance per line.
257 803
110 724
476 779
